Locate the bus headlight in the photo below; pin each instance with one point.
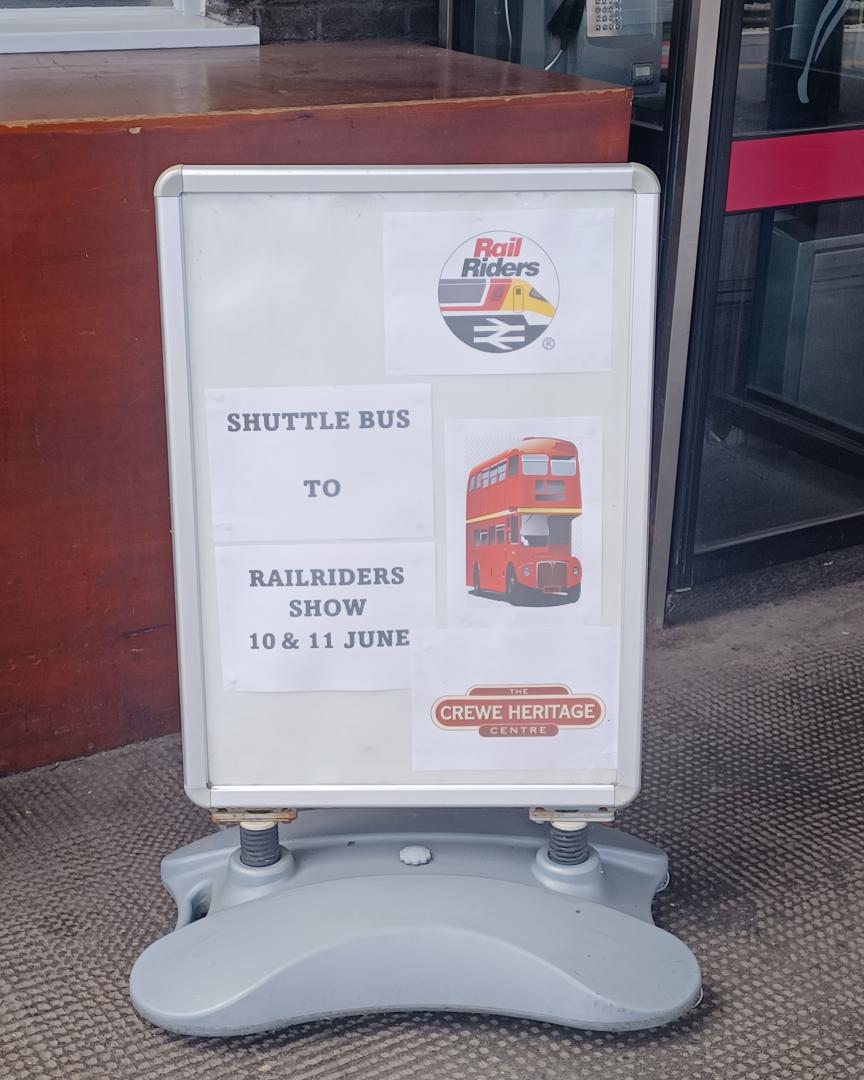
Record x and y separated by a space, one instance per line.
575 571
526 570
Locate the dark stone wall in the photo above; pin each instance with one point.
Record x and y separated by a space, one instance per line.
334 20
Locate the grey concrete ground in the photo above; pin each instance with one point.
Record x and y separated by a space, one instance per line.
754 775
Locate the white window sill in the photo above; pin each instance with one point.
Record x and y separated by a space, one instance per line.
81 29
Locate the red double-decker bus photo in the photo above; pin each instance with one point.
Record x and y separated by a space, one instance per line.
519 511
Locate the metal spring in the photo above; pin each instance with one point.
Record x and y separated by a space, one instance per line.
259 847
568 847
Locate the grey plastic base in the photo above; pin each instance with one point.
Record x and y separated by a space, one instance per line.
340 925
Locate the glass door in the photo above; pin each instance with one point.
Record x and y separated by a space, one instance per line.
624 42
771 465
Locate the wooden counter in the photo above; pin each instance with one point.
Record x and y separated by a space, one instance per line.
87 650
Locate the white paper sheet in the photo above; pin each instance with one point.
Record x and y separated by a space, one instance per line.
504 699
321 616
341 463
510 291
470 442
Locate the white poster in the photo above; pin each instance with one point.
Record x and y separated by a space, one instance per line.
309 463
509 700
524 522
506 291
322 616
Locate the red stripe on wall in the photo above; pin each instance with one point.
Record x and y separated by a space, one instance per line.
792 169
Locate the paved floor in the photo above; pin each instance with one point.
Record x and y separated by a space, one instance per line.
753 762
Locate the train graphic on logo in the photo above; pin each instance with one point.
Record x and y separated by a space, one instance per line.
520 506
498 292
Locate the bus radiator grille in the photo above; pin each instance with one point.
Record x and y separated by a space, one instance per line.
552 576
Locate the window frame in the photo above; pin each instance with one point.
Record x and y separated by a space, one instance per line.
182 24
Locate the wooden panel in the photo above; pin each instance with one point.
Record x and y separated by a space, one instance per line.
87 648
106 85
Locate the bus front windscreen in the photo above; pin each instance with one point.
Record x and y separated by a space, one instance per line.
545 530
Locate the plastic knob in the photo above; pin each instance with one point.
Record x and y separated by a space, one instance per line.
415 855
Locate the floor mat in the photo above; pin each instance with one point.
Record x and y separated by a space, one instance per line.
753 764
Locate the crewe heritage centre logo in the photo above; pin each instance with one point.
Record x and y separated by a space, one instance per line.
518 711
498 291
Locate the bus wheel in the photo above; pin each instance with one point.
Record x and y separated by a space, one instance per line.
513 591
476 578
574 593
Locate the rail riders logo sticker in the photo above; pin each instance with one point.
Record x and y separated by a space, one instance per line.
498 291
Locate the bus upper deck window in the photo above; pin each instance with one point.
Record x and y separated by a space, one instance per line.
512 464
535 464
563 466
